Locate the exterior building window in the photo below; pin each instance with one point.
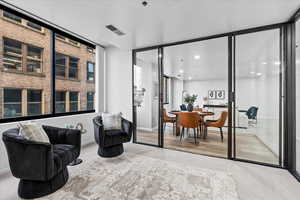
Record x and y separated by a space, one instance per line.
73 101
73 67
90 71
60 64
12 54
67 40
12 103
90 101
12 17
34 59
34 102
34 26
60 101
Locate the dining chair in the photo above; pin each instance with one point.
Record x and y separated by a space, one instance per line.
219 123
189 120
168 119
183 107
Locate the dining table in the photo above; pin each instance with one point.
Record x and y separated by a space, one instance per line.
202 114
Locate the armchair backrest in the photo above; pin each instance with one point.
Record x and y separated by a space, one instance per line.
252 112
183 107
98 129
28 159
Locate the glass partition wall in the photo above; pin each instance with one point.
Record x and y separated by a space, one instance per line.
146 90
257 97
200 69
238 84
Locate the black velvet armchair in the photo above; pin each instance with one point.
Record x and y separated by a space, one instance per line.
41 167
111 141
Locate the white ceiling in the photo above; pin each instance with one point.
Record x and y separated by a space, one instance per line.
257 55
161 21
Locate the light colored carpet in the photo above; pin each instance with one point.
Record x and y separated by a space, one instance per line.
137 177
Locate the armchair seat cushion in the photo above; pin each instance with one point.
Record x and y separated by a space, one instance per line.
112 140
64 154
115 132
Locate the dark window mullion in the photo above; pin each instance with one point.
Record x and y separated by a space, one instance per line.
53 72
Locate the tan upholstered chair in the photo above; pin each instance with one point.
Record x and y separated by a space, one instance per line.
168 119
189 120
217 123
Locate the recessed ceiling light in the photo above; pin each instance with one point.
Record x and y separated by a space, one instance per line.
181 71
264 63
190 78
252 72
197 57
258 74
277 63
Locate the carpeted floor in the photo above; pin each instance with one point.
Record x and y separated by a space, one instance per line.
139 177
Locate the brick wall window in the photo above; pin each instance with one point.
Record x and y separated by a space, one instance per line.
90 71
34 26
73 67
12 17
66 66
60 64
34 59
26 78
74 101
90 101
12 54
23 22
34 102
60 101
12 102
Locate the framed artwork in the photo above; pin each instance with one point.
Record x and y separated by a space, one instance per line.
220 94
216 94
211 94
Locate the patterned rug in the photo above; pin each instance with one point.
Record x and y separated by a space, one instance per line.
143 178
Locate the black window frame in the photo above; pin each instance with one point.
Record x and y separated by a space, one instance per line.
54 29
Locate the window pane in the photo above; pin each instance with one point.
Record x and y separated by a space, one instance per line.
34 26
90 101
60 64
34 59
74 101
25 78
12 17
12 54
60 102
90 71
73 67
34 99
12 103
73 57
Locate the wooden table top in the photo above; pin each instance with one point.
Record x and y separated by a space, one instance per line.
200 113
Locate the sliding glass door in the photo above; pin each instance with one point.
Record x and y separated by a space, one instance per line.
257 97
146 91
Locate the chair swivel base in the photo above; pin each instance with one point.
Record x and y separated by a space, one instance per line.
111 151
34 189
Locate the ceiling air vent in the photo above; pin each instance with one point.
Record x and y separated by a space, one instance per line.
115 30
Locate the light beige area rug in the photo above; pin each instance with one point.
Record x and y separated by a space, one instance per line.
143 178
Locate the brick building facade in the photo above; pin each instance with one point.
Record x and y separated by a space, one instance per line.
25 70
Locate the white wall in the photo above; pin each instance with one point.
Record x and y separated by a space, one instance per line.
262 92
85 119
119 81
